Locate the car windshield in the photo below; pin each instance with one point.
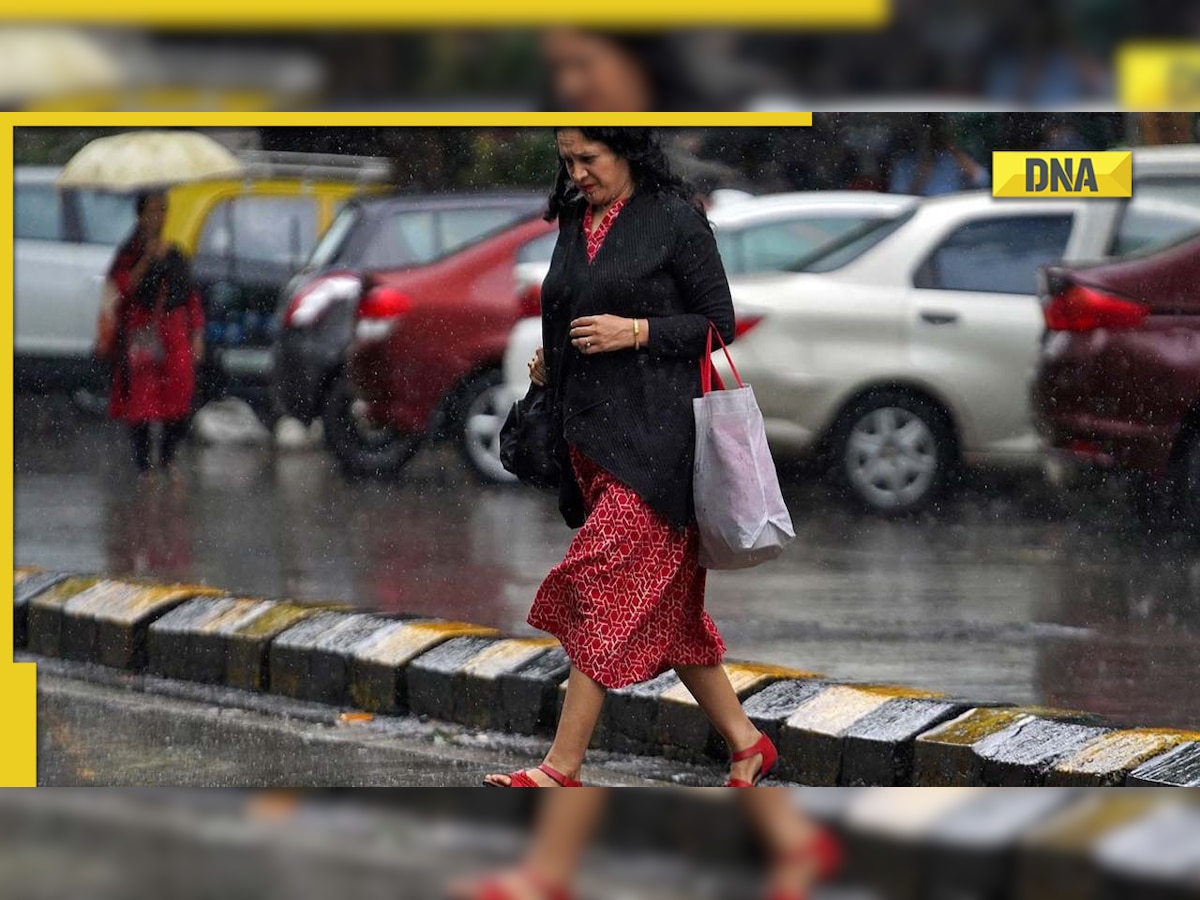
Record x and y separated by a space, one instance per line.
330 244
851 245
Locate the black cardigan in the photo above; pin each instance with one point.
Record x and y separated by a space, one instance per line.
631 411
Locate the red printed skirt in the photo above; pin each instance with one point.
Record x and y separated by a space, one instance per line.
627 601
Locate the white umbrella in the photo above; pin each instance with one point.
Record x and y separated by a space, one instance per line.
36 63
145 160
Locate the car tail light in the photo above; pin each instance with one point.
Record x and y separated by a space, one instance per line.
312 300
384 303
1078 308
744 324
529 305
380 311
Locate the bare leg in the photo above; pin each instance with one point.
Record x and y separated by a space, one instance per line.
564 825
784 829
581 711
712 689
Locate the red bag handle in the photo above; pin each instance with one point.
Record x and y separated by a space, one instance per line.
707 373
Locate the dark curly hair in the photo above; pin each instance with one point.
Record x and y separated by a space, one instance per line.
661 58
642 149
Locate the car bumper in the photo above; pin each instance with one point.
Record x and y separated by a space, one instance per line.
1086 441
1095 407
523 342
305 362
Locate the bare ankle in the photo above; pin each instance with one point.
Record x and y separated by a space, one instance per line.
745 737
569 768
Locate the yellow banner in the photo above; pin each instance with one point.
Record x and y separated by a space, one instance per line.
1152 77
308 13
1038 174
18 702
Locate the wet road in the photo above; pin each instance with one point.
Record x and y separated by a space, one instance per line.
1009 594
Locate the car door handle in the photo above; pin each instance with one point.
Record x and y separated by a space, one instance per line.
939 318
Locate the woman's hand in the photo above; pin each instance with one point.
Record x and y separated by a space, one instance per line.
537 368
603 334
197 346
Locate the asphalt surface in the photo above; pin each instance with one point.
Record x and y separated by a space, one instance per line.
99 726
196 845
1008 593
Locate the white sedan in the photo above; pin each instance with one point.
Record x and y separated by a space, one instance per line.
909 347
767 233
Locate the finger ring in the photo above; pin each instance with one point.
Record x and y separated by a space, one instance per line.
587 344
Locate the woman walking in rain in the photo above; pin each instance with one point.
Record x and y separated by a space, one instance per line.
159 337
634 285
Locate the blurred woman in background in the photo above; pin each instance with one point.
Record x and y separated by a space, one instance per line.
159 337
801 853
617 71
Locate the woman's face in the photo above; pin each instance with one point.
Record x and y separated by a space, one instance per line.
591 73
603 176
153 214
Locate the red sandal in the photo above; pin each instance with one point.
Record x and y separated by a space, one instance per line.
494 888
770 755
521 780
825 850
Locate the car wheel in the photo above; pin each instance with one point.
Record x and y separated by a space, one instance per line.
484 404
893 453
363 448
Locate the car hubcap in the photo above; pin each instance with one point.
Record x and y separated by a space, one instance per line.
485 417
891 457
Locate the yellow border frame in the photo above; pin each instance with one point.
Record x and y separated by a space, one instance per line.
316 13
18 688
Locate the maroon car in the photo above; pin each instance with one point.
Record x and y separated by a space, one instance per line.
1118 384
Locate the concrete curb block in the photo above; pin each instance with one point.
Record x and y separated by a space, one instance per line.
812 739
828 733
1178 768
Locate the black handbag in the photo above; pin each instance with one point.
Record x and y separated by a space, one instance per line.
526 442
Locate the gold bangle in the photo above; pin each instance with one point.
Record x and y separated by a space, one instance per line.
636 344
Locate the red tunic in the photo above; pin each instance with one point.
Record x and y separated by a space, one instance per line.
157 392
627 601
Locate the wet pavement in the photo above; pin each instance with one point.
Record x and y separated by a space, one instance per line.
99 726
1010 593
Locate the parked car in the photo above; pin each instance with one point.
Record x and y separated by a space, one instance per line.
64 243
245 238
906 347
1118 384
395 330
754 234
909 349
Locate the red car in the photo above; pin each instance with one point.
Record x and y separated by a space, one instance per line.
1118 385
427 352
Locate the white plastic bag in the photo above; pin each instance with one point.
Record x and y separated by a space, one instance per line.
740 512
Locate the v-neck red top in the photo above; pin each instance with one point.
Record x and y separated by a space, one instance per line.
596 238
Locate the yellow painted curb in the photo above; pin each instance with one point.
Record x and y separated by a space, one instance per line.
973 726
1120 751
834 709
505 655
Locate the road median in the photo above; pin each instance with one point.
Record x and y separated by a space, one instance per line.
829 733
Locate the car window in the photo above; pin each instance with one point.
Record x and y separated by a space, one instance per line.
779 246
37 212
850 246
539 250
1160 212
729 247
999 255
330 246
402 239
261 229
105 218
460 227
